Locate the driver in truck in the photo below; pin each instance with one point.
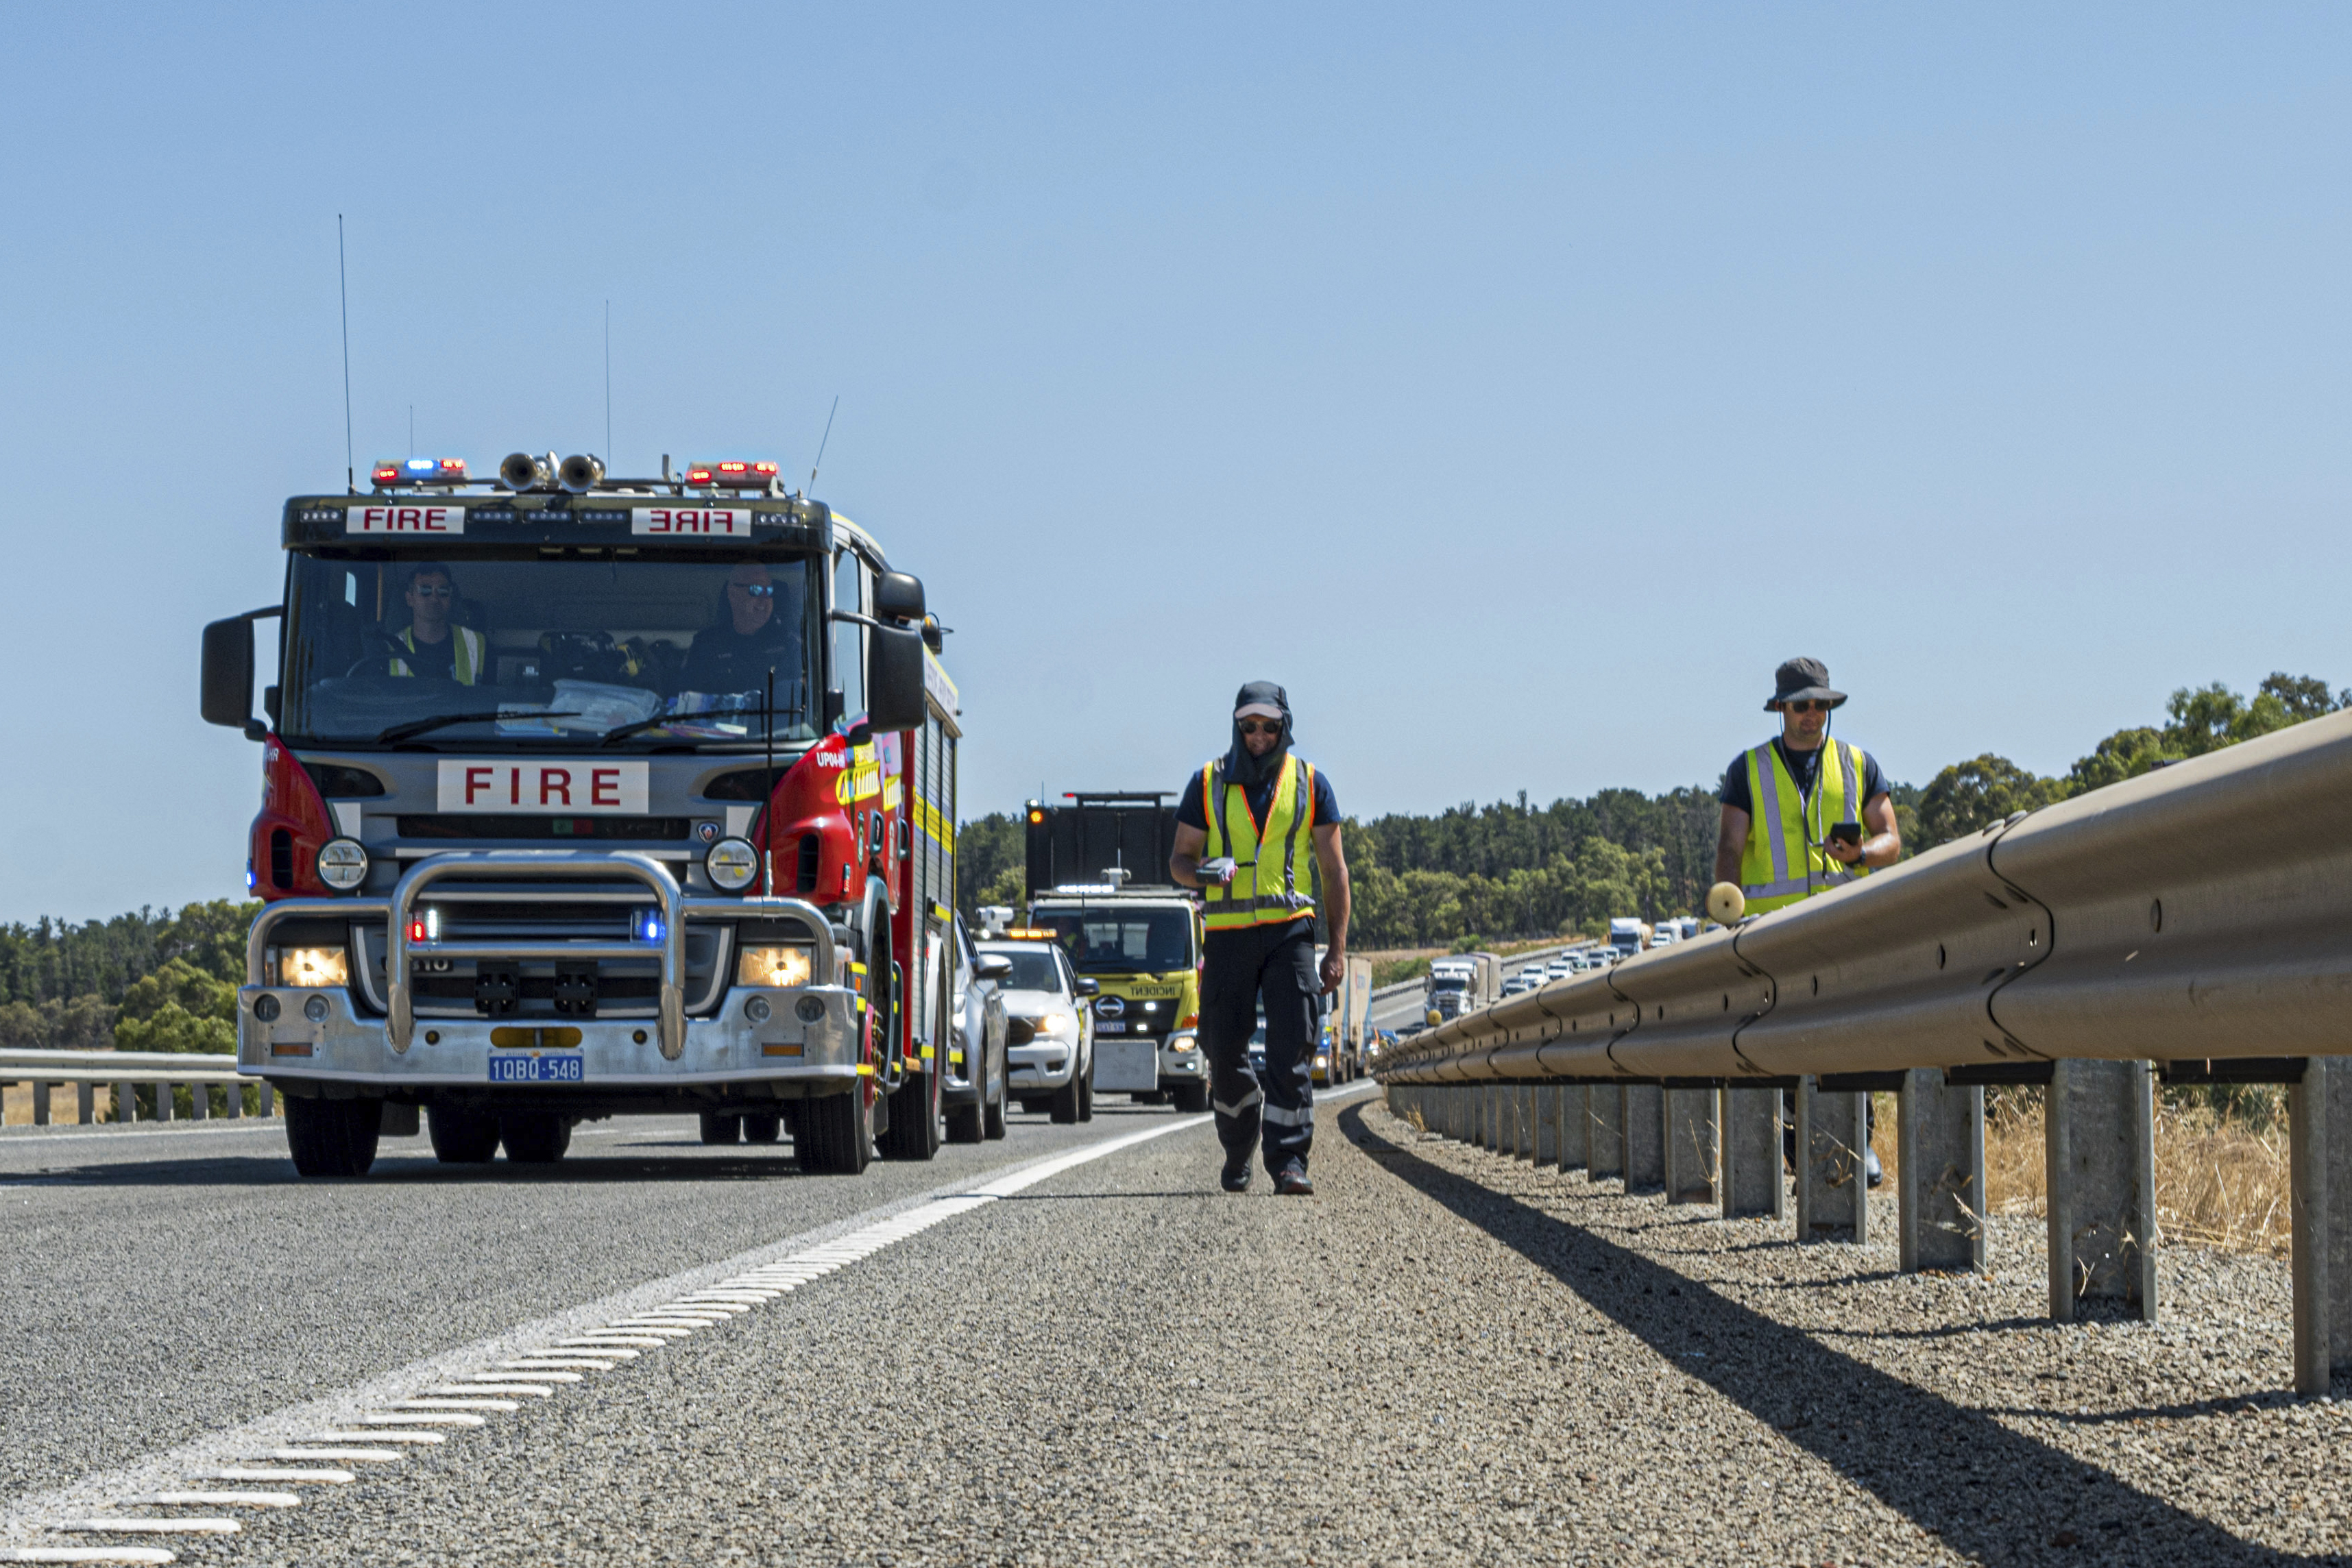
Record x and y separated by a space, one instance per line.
735 657
432 645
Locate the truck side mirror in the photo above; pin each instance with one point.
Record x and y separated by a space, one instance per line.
898 596
226 678
893 678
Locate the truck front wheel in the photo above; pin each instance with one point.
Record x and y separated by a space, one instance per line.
535 1137
1191 1099
835 1136
332 1137
719 1129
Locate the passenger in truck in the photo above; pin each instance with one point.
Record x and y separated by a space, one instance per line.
763 628
434 645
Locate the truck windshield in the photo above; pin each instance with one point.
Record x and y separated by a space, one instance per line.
536 651
1126 940
1448 982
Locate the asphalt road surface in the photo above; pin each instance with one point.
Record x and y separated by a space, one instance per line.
1071 1348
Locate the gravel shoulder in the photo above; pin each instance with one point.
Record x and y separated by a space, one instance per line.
1443 1357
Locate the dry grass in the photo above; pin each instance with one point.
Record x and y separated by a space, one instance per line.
2221 1174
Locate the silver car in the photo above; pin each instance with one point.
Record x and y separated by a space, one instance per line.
1049 1028
979 1073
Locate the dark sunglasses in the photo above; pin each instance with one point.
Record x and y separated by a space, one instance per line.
1808 706
444 591
756 589
1261 726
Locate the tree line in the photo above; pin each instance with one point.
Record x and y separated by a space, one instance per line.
156 980
1473 874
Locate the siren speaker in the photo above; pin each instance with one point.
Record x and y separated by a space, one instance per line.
521 471
1725 904
580 473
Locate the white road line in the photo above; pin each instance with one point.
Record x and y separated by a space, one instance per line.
147 1527
315 1477
416 1418
86 1555
660 1310
216 1499
377 1435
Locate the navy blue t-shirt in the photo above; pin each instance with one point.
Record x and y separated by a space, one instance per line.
1190 814
1802 765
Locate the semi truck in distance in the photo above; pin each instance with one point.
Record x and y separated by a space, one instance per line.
1461 984
1628 937
1345 1048
1097 878
586 796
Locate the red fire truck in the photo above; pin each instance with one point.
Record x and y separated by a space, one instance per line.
584 797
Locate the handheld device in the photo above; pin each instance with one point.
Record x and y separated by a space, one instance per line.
1219 871
1845 832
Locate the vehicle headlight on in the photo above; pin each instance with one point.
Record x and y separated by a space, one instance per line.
342 863
772 966
313 966
1184 1043
732 864
1053 1023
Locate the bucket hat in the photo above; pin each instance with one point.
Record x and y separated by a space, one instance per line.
1802 680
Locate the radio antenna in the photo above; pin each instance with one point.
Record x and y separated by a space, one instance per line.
821 440
608 381
343 287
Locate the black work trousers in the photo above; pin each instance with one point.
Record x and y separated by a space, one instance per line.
1273 967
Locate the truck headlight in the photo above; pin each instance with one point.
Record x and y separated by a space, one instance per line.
342 863
732 864
313 966
776 965
1184 1043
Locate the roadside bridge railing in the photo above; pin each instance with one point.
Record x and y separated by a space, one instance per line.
2193 925
161 1070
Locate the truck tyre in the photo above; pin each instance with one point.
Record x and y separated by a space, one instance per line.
1191 1098
762 1129
1064 1107
534 1137
461 1138
719 1129
332 1137
914 1130
1086 1093
966 1123
837 1134
992 1117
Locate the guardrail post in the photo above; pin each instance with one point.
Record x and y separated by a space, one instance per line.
1690 1140
126 1105
1752 1179
2319 1160
233 1096
1523 1105
1604 1125
1547 1108
1575 1124
1939 1171
87 1101
40 1102
1833 1197
1644 1121
200 1101
163 1102
2101 1153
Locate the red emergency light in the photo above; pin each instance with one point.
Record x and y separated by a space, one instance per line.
418 471
739 475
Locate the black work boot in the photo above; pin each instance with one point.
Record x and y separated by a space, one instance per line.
1291 1181
1237 1173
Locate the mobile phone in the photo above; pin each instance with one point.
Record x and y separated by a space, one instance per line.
1845 832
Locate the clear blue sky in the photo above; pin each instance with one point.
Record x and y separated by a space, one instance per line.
1516 385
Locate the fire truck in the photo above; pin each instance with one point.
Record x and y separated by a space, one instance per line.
584 797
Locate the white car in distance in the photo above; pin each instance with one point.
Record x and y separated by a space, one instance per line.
1049 1030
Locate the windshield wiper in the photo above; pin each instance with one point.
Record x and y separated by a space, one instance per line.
417 728
622 732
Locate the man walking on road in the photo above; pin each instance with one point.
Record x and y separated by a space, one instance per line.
1267 821
1803 813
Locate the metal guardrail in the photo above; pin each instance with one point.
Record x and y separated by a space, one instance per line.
163 1070
2194 923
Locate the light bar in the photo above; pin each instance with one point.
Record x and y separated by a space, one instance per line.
418 471
740 475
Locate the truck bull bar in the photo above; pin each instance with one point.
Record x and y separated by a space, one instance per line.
677 909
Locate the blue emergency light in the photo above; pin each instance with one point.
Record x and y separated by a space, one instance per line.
649 926
418 471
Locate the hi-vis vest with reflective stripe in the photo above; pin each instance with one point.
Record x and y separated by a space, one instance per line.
1270 882
1781 865
465 660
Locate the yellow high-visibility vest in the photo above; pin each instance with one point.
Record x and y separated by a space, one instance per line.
1782 863
465 660
1273 863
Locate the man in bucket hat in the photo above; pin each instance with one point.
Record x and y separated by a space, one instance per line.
1803 813
1253 828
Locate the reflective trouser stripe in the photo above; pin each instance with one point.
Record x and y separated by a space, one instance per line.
1302 1117
1257 1098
